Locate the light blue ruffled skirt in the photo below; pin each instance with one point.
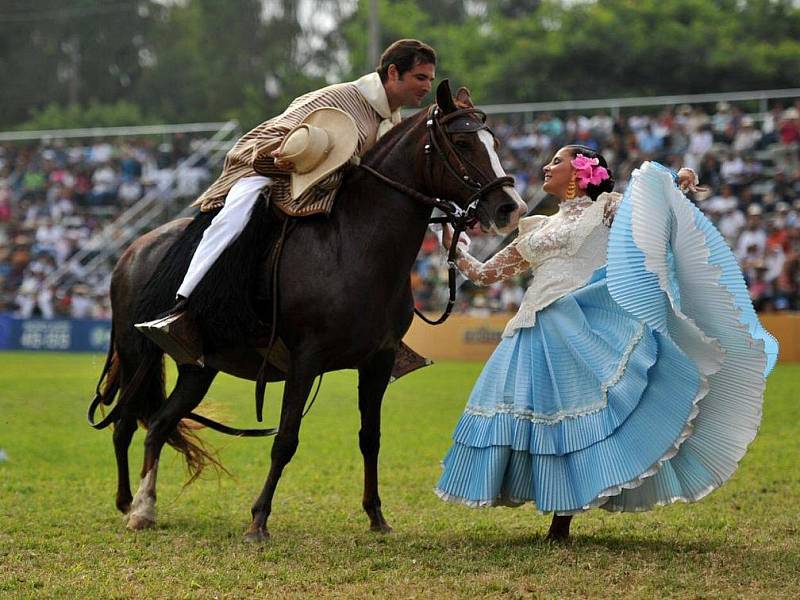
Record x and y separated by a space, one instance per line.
644 387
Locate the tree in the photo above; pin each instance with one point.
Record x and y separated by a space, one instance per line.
69 54
209 60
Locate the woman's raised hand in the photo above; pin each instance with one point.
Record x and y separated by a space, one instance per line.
688 181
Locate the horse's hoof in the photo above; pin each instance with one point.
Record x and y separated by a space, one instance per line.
557 537
138 522
381 527
259 536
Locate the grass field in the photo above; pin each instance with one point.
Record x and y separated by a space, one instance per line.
60 535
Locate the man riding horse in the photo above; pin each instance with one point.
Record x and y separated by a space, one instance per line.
298 159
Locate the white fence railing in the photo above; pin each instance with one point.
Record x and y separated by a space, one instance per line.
615 104
51 134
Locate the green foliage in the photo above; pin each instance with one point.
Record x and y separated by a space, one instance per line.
199 60
623 48
76 52
59 531
54 116
552 50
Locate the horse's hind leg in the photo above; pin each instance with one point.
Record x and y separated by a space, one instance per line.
372 381
192 385
295 392
123 434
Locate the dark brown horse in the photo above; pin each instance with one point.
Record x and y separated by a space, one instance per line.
344 299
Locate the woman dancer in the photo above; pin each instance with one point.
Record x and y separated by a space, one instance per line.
633 373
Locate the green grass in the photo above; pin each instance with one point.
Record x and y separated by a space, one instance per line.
60 534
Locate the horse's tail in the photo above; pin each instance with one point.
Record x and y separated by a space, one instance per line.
146 394
142 394
108 384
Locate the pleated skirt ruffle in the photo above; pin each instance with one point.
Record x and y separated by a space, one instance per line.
642 388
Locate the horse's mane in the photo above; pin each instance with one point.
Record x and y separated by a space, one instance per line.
384 145
224 304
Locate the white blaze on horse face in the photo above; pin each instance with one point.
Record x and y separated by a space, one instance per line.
488 142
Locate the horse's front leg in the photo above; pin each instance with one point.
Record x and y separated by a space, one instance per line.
192 385
372 381
559 528
295 392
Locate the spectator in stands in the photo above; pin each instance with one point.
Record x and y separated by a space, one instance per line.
785 153
722 202
789 128
721 120
104 185
730 222
753 240
747 137
700 142
80 304
761 292
5 202
733 169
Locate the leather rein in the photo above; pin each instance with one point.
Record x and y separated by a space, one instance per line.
439 145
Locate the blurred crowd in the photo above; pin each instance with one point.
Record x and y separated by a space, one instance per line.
750 163
55 196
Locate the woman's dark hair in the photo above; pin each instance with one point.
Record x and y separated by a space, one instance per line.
405 55
593 191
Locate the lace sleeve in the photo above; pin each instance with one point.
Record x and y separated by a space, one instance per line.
610 205
504 265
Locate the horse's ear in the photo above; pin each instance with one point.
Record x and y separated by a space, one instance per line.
444 97
463 99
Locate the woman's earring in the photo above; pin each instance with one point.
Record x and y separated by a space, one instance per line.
571 189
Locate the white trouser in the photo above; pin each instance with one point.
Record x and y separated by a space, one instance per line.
224 229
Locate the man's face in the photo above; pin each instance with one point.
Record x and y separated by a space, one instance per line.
411 88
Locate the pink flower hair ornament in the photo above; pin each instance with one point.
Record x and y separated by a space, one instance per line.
588 171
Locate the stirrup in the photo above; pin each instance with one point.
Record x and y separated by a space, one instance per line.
406 361
175 335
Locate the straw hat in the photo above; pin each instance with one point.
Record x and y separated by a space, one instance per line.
325 140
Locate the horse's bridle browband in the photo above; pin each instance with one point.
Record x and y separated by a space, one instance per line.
465 120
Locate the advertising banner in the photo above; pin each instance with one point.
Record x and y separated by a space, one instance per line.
59 335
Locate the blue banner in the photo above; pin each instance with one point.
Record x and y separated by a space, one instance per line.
61 335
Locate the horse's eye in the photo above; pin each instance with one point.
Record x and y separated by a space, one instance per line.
462 144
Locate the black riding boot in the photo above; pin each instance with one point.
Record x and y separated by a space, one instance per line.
175 333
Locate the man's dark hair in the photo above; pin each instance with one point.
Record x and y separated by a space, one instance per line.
405 55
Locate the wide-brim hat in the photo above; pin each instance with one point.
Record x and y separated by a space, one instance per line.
325 140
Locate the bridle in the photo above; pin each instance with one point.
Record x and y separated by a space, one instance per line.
468 174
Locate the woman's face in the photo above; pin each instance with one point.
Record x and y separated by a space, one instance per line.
558 174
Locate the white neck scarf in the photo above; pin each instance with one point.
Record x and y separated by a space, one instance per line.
372 89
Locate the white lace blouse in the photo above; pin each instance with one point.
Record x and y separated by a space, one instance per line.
561 251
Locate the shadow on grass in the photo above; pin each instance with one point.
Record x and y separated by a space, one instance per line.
478 541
